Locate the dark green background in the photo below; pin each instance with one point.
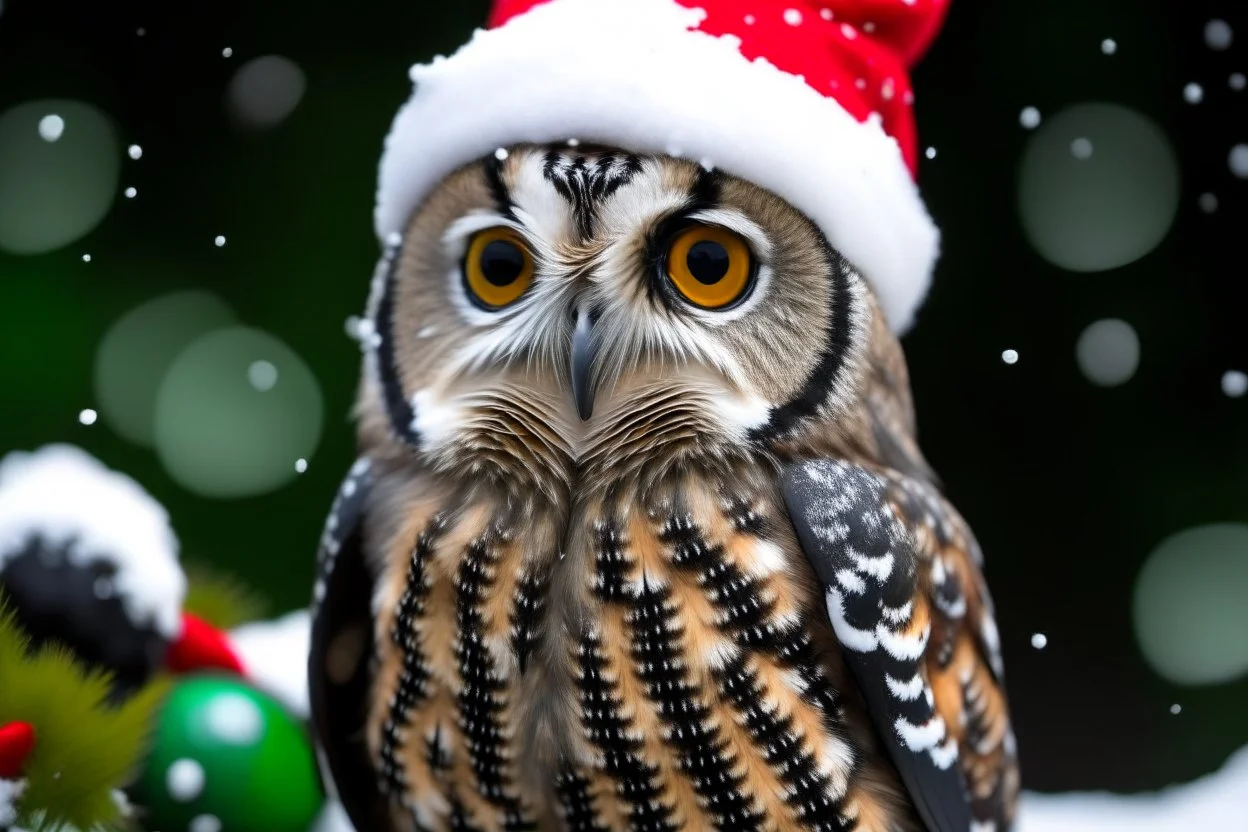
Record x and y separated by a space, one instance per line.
1069 486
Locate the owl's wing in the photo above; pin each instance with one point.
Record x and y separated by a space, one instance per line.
907 602
338 664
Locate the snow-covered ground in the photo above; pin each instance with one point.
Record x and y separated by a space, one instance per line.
275 654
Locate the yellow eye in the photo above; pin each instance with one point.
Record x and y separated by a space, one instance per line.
710 266
498 267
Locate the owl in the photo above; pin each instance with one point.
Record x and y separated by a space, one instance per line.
640 536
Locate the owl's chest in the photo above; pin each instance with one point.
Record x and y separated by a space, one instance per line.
642 661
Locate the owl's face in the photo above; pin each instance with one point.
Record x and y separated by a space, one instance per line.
560 307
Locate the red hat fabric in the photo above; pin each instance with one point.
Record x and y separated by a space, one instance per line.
856 51
809 98
202 647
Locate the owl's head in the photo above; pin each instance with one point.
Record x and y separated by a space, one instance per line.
551 308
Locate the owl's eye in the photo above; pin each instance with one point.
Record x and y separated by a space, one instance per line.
710 266
497 268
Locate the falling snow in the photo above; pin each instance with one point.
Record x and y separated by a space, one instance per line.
793 17
262 376
131 193
1193 93
1176 708
1234 383
86 258
1029 118
51 127
88 417
135 152
1109 46
301 465
227 52
1237 81
1081 148
1039 641
220 240
1208 203
1010 356
930 153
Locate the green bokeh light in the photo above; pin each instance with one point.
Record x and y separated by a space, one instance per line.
138 350
1191 605
221 434
59 165
1099 187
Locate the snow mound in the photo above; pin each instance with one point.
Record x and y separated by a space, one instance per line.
1217 802
275 656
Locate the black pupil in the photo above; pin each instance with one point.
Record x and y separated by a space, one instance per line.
708 261
502 262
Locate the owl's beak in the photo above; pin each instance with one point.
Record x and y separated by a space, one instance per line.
583 349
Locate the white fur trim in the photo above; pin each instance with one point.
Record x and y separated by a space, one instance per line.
630 73
64 494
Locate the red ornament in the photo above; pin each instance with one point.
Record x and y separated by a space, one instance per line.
202 647
857 52
17 740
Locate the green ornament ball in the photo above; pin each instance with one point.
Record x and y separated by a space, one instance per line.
227 758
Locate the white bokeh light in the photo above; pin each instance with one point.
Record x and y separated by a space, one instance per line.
1081 148
1189 605
264 92
184 780
1218 35
233 411
59 166
1098 187
139 348
1234 383
1238 160
1108 352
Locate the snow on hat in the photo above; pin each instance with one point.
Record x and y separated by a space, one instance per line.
810 99
65 496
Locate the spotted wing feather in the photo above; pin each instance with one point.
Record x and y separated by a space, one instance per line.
338 664
906 601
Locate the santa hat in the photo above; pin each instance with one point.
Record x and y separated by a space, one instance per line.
810 99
